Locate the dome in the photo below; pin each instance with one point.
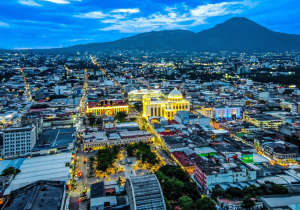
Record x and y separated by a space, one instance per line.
175 94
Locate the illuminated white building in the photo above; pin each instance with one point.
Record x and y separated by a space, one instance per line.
167 108
137 95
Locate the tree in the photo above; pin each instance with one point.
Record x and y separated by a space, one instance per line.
213 119
191 189
9 171
119 181
185 203
248 203
120 116
99 121
91 118
91 158
205 203
168 205
138 106
216 192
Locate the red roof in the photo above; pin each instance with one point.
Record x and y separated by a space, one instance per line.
165 133
182 158
171 122
98 104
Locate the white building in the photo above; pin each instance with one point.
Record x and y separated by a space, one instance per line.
137 95
59 90
18 141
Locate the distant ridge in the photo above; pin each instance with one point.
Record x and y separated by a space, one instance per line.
236 34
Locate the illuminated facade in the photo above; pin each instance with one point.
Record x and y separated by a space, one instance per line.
207 111
167 108
137 95
227 112
108 108
264 121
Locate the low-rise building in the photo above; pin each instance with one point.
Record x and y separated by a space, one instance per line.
280 151
264 121
212 172
99 139
38 195
183 161
137 95
289 129
106 107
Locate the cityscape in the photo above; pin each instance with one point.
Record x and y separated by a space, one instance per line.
168 114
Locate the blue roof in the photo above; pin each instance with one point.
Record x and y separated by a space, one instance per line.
16 163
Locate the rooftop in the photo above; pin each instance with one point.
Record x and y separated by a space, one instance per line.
42 195
51 167
147 192
56 137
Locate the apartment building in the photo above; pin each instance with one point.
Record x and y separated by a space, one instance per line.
18 141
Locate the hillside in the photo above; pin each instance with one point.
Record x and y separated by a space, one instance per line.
235 34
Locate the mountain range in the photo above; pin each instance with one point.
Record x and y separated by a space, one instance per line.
236 34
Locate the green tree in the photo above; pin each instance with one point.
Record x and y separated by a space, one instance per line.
216 192
91 158
248 203
185 203
205 203
9 171
119 181
99 121
168 205
120 116
191 189
92 119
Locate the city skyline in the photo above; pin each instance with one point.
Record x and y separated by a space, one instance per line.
61 23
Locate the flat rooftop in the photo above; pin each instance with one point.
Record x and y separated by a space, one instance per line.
56 137
50 167
44 195
280 201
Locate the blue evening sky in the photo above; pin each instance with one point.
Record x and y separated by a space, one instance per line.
61 23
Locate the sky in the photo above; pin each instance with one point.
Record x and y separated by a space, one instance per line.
40 24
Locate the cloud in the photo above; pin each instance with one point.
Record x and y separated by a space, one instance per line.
30 3
130 11
76 40
3 24
176 18
59 1
212 10
92 15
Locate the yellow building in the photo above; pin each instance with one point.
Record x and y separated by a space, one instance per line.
207 111
106 107
167 108
264 121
